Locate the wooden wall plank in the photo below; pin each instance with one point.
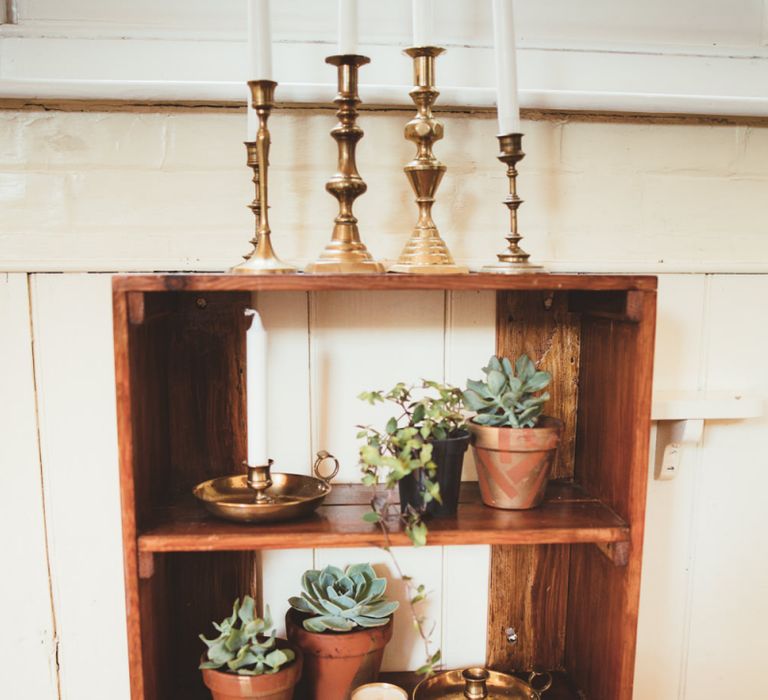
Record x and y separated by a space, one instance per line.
72 317
28 642
539 324
535 606
612 464
206 376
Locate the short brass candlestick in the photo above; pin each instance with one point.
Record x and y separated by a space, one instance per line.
346 253
425 252
514 260
262 259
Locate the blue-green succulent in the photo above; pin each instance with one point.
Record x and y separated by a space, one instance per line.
509 395
244 646
341 601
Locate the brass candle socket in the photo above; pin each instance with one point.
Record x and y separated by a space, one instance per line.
514 260
262 259
346 253
259 479
425 252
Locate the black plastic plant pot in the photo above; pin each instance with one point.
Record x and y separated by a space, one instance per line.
448 455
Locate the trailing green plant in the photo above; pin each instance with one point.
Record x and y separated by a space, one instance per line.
243 646
404 445
509 395
341 601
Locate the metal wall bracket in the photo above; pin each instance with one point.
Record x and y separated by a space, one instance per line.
680 418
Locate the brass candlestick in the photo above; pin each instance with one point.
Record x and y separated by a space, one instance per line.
514 260
346 253
262 259
425 252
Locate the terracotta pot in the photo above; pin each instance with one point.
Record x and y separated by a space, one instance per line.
448 455
513 464
269 686
335 663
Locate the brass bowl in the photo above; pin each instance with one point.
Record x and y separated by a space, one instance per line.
273 498
470 683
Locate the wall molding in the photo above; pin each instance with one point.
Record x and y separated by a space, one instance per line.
67 63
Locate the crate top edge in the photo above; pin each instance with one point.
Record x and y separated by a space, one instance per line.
224 282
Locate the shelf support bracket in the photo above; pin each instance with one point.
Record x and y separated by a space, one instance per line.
146 565
680 420
616 552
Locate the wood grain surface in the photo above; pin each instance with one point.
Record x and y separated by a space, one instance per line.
529 585
308 283
612 462
566 516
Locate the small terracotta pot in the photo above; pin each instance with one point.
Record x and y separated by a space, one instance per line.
335 663
513 464
269 686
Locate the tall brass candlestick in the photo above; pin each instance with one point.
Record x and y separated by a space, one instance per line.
346 253
262 259
514 260
425 252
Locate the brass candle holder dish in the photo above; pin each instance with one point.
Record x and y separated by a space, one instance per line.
514 260
262 259
261 496
425 252
477 683
346 253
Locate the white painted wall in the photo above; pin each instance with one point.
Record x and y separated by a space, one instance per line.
99 191
634 55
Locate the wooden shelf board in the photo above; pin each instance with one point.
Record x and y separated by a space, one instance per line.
562 686
307 283
567 516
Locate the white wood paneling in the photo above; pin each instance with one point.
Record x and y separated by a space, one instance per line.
662 628
639 56
27 645
465 605
72 320
730 567
285 317
360 342
470 339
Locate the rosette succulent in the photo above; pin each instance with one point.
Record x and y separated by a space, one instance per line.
243 646
508 397
340 601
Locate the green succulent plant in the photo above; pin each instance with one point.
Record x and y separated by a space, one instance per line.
340 601
509 395
243 646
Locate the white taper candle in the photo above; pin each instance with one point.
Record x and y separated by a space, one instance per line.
259 40
256 389
347 27
506 67
252 125
423 19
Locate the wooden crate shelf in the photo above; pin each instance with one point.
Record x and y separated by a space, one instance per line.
567 574
363 283
569 515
